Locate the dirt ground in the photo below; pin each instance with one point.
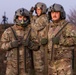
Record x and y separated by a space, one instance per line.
2 56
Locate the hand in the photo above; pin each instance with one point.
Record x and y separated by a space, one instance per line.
44 41
55 40
25 43
32 9
33 45
15 43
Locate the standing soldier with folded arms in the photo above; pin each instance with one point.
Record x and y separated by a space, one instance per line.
39 25
61 43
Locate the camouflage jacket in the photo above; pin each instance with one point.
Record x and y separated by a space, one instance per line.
7 38
39 26
39 31
64 42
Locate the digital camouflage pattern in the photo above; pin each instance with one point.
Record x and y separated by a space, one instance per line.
39 27
6 39
62 54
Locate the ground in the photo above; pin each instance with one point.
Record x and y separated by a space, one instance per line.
3 59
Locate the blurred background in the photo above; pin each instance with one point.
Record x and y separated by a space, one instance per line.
10 6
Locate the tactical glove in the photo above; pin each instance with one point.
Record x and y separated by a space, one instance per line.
44 41
55 40
25 43
32 9
34 45
15 44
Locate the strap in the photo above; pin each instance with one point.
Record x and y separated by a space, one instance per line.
18 51
46 56
18 71
52 53
14 33
61 28
25 52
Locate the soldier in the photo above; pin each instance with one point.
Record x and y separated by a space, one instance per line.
39 25
61 42
14 41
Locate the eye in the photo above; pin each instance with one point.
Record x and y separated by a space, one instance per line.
25 18
20 16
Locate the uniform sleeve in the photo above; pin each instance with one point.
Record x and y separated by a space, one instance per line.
5 41
70 35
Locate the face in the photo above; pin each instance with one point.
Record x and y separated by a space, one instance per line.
55 16
39 11
21 18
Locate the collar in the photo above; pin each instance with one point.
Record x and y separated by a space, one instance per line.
60 23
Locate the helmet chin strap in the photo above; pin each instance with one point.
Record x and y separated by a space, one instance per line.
23 23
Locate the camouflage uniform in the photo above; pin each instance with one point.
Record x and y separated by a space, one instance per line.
39 29
39 25
7 38
61 43
62 58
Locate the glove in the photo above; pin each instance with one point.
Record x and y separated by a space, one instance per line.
25 43
15 44
34 45
44 41
55 40
32 9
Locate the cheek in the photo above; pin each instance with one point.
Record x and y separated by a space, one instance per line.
58 15
19 18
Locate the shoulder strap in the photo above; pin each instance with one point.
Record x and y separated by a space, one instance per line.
14 33
28 35
61 28
18 71
52 53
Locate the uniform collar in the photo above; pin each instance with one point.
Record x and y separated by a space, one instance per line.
60 23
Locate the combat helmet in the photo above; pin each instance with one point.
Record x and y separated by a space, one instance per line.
57 7
22 12
42 6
